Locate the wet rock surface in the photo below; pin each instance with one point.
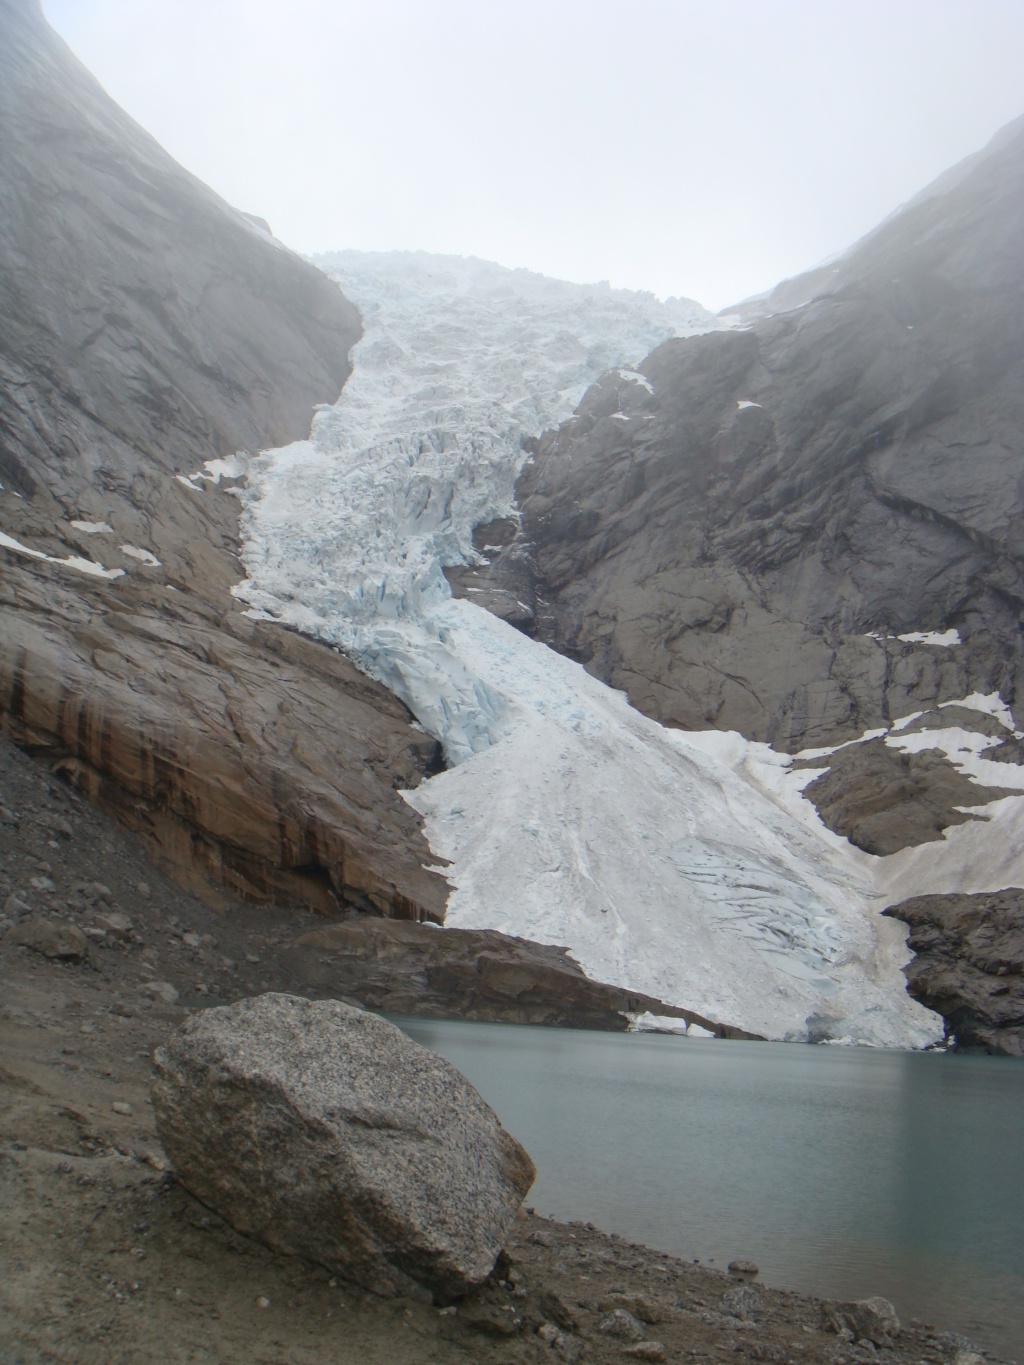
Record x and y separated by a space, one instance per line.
171 330
969 965
327 1133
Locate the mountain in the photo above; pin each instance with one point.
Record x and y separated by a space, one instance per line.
147 329
245 614
809 525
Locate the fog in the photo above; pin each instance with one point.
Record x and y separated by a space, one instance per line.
699 147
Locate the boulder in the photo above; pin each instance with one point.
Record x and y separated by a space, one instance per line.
871 1319
52 937
327 1133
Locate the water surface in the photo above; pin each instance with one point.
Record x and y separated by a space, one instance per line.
842 1172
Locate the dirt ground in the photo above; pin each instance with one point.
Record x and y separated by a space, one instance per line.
104 1258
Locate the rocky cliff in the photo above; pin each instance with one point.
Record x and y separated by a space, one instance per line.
147 328
741 538
969 965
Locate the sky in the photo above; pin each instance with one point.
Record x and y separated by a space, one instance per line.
707 148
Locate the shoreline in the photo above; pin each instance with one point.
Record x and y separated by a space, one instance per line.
107 1259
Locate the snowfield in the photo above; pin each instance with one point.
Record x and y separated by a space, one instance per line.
685 866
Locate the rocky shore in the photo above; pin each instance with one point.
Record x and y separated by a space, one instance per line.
108 1259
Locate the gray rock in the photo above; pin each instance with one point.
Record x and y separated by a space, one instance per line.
743 1301
743 1269
871 1319
114 924
621 1325
969 964
54 938
647 1350
327 1133
163 991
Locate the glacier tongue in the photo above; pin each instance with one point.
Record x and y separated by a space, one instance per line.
684 866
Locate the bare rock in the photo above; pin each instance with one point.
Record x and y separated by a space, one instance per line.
646 1350
163 991
969 964
622 1325
743 1269
409 968
871 1319
743 1301
54 938
327 1133
114 924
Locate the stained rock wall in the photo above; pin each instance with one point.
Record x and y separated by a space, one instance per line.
148 328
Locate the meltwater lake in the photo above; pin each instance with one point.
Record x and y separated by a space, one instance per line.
842 1172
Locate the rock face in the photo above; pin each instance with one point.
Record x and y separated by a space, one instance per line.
329 1134
149 328
723 541
466 974
970 965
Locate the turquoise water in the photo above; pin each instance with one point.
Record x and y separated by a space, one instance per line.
841 1172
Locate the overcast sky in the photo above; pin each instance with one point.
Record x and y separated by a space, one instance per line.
700 147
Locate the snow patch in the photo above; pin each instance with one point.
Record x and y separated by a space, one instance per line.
742 403
941 639
93 528
944 639
635 377
80 565
990 704
145 556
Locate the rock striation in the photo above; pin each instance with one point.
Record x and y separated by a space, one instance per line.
148 329
328 1133
969 965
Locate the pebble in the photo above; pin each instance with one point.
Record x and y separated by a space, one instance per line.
121 1107
191 940
262 1301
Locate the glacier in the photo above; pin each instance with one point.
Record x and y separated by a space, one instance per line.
686 866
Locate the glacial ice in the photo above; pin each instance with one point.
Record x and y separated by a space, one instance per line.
687 866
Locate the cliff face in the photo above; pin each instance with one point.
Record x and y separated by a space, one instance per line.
970 965
145 329
738 542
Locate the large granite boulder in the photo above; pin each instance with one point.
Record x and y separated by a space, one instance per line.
327 1133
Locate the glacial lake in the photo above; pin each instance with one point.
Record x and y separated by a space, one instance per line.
842 1172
